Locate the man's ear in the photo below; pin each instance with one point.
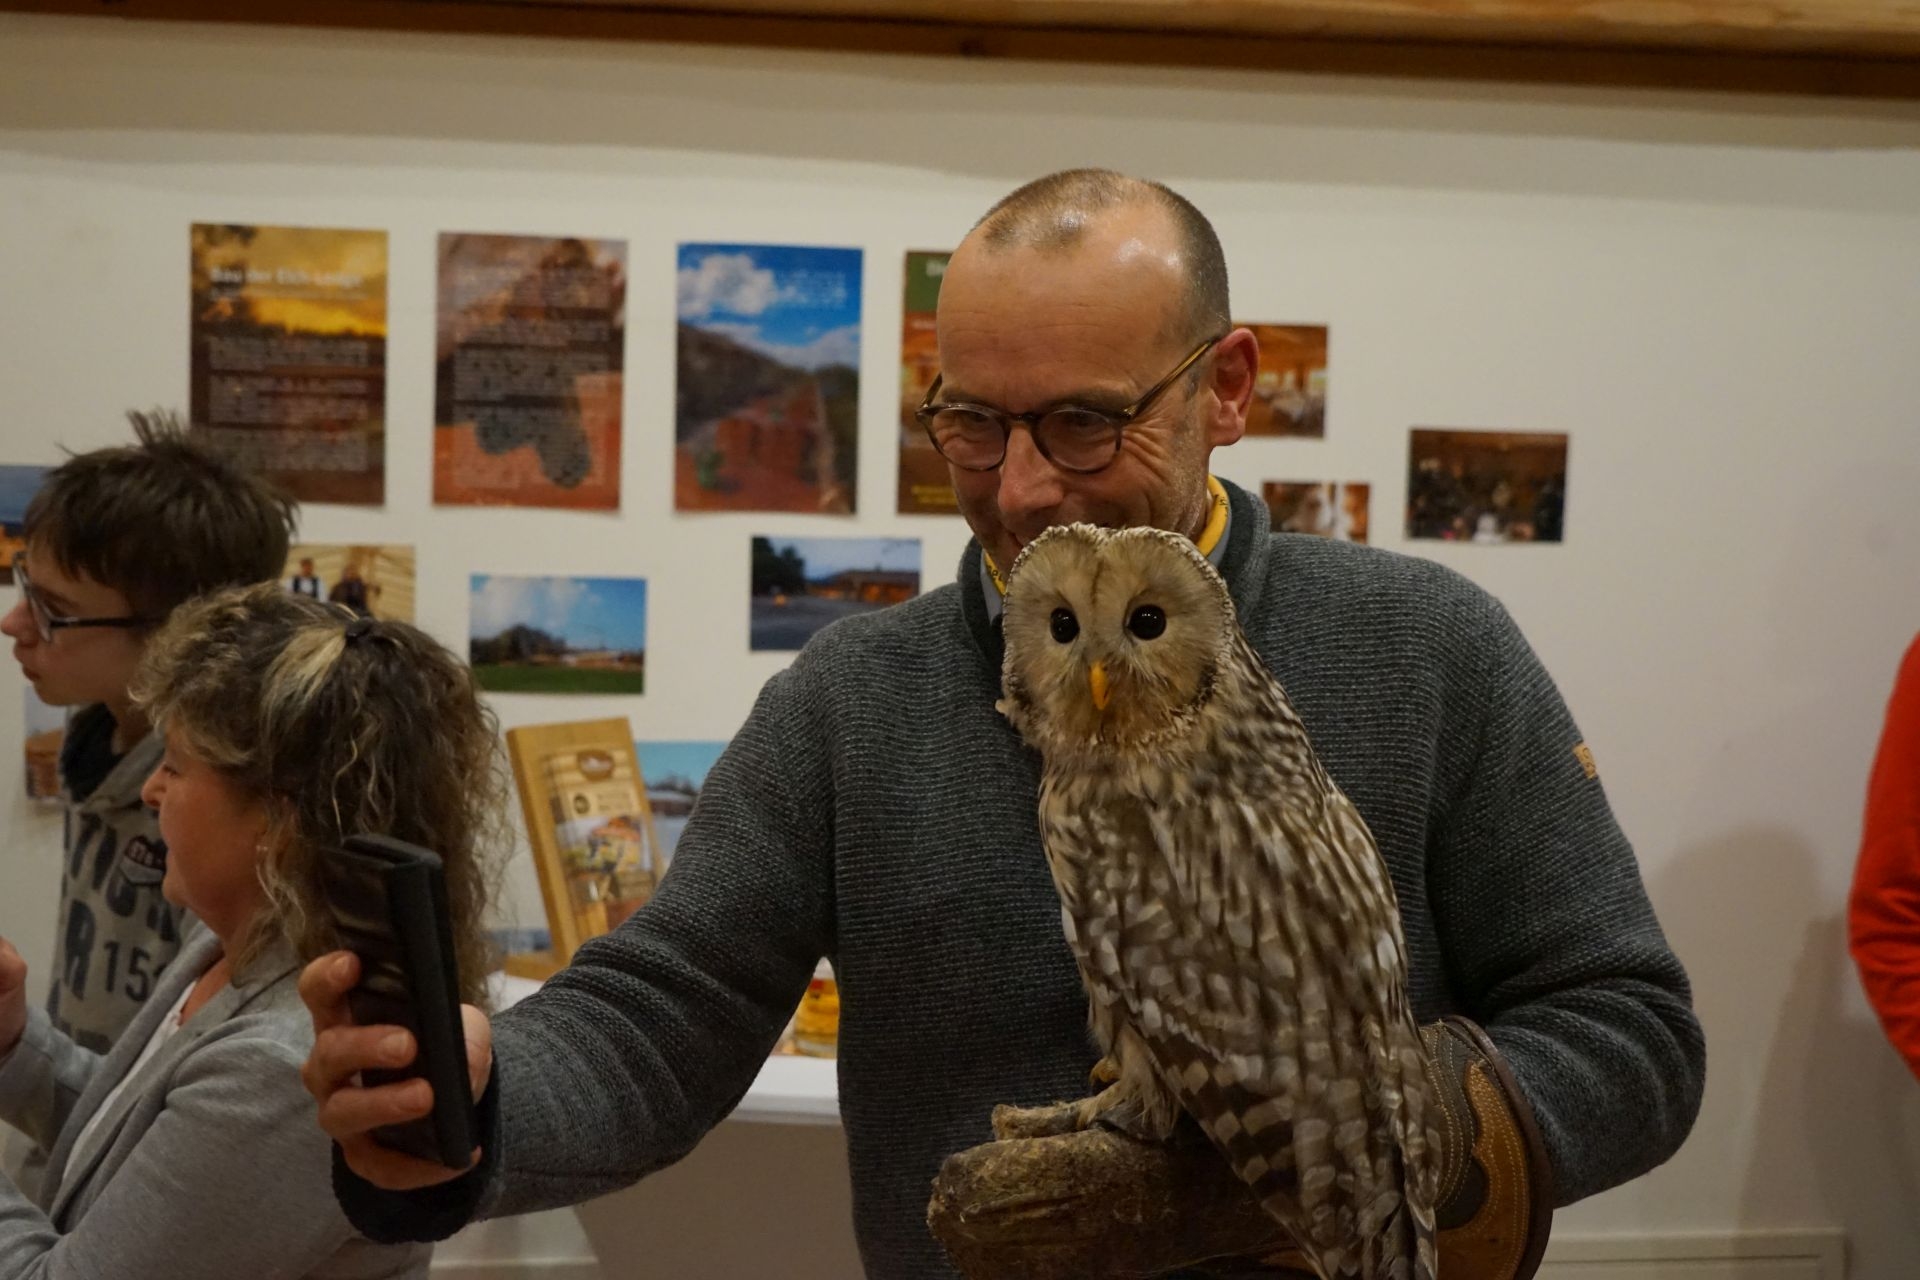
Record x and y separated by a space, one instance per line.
1233 364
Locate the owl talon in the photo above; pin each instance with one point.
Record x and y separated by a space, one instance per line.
1128 1116
1013 1123
1104 1073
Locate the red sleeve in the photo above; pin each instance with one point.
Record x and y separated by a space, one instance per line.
1883 915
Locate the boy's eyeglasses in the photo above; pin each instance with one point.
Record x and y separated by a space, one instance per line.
47 622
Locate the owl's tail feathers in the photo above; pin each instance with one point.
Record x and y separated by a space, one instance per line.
1426 1241
1400 1240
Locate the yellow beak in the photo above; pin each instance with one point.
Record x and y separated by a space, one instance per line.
1097 680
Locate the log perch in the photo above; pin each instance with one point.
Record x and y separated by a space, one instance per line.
1098 1203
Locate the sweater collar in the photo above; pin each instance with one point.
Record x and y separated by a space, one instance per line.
1240 555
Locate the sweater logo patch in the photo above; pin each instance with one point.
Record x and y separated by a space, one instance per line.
143 861
1584 754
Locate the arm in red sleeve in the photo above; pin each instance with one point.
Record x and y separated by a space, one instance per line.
1883 915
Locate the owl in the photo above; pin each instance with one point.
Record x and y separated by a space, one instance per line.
1232 918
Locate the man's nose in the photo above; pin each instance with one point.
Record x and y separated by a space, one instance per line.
1029 484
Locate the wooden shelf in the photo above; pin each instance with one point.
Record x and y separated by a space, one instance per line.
1848 47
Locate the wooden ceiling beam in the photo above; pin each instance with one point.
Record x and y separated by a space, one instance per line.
1859 48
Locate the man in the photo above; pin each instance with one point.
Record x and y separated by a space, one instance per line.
306 582
876 808
351 591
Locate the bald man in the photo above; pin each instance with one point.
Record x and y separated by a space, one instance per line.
876 809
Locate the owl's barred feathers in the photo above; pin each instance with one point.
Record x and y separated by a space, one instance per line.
1233 920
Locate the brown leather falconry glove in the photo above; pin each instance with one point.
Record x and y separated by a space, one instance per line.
1496 1187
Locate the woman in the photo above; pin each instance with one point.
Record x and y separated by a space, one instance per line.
190 1150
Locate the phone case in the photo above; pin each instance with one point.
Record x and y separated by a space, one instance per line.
389 904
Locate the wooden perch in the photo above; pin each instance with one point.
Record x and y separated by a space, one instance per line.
1098 1203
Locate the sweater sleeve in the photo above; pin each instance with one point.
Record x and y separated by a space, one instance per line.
1883 914
1550 940
654 1032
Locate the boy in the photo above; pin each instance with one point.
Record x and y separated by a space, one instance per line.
115 539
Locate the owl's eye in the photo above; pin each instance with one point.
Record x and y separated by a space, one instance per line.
1065 626
1148 622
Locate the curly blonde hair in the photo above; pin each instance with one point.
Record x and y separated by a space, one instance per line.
340 726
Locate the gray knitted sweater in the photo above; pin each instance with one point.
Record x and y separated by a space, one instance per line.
876 809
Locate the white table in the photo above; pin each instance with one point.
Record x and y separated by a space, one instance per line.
764 1195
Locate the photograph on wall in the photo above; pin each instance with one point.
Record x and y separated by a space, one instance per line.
17 487
289 355
46 730
1290 390
373 581
1324 508
767 391
530 342
925 486
801 584
675 772
1486 486
589 826
558 635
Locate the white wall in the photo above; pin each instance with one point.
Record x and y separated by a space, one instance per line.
1718 297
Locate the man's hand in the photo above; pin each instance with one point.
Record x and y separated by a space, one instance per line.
13 996
350 1112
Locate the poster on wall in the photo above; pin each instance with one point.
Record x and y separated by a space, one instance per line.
925 486
767 391
1324 508
373 581
675 772
289 355
46 730
1290 390
799 585
1486 486
558 635
589 826
17 487
530 343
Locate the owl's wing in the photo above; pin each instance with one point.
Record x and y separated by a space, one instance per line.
1258 953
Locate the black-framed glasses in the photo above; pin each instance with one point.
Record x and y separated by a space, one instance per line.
47 622
974 437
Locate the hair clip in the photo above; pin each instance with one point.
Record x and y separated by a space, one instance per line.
359 629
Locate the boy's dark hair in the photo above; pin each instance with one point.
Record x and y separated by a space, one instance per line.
160 521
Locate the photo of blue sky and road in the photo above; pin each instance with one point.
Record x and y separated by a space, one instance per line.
802 584
767 385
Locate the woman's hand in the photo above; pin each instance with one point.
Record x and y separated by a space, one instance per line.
13 996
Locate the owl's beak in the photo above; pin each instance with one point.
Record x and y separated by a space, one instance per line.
1097 681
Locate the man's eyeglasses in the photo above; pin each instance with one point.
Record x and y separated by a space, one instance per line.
47 622
973 437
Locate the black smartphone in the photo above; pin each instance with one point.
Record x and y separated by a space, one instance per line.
389 905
